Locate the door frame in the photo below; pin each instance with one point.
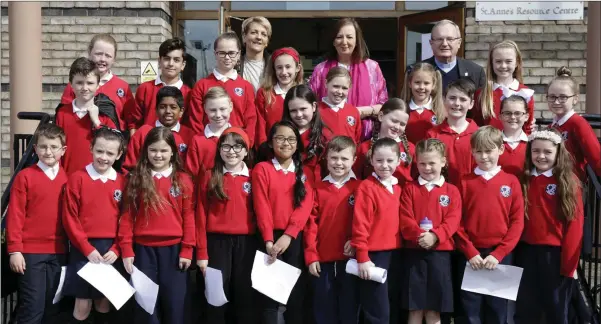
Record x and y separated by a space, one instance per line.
453 13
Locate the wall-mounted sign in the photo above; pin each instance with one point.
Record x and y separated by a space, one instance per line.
567 10
148 70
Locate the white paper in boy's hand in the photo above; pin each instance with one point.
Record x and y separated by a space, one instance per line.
146 290
502 282
375 274
214 287
108 281
274 280
59 291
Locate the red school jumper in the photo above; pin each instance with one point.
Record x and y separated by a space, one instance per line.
581 142
459 151
363 168
376 220
267 115
233 216
172 224
330 223
543 227
419 123
144 110
273 193
493 214
116 89
182 134
346 121
497 94
33 221
92 208
241 92
441 205
78 133
512 160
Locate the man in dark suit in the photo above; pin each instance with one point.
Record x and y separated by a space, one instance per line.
445 42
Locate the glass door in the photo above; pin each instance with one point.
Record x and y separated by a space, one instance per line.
414 37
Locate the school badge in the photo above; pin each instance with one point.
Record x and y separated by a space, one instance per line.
350 120
564 135
239 91
434 120
444 200
505 191
246 187
120 92
117 195
175 192
183 147
551 189
351 200
403 156
304 178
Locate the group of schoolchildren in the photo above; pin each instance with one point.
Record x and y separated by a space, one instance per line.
429 182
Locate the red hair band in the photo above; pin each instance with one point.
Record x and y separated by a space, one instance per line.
239 131
285 50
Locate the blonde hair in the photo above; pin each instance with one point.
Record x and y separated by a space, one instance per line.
565 75
436 94
105 38
216 92
338 71
270 78
486 138
257 20
432 145
486 97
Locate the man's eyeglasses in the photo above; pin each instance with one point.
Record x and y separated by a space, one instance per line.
282 139
52 148
516 114
224 54
562 99
237 148
448 39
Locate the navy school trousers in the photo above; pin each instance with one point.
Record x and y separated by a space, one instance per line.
335 297
161 265
37 288
480 308
543 290
373 296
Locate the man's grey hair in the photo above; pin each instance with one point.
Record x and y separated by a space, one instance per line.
447 22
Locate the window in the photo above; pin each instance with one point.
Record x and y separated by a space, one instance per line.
425 5
199 36
312 5
201 5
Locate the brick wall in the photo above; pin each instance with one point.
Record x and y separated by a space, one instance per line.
67 27
545 46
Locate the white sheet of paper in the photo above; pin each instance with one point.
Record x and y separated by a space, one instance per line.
108 281
59 291
274 280
214 287
375 274
502 282
146 290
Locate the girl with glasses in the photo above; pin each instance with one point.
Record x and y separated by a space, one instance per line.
514 114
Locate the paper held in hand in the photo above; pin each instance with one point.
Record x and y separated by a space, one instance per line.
502 282
274 280
108 281
375 274
146 290
214 287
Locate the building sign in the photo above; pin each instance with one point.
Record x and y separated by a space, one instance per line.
491 11
148 70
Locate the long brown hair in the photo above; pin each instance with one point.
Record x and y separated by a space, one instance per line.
270 78
567 184
141 190
361 53
215 187
436 94
393 104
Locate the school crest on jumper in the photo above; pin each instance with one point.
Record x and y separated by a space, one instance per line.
505 191
175 192
120 92
564 135
434 120
304 178
239 91
117 194
403 156
351 200
246 187
444 200
551 189
350 120
182 147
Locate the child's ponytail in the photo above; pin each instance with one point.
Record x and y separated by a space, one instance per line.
437 90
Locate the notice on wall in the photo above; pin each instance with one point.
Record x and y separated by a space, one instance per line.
148 70
513 10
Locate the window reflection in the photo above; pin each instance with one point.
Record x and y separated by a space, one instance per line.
313 5
199 36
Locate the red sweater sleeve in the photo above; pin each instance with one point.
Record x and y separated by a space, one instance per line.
364 213
68 95
202 205
15 218
71 221
261 202
358 129
133 151
572 238
516 223
193 159
409 227
590 146
189 237
300 215
126 232
310 235
250 114
450 221
194 113
128 106
527 124
464 244
135 111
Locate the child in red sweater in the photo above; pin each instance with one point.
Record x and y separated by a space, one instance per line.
392 120
90 215
172 61
327 237
375 228
579 137
103 51
430 212
81 116
550 245
157 223
169 111
456 130
492 222
282 199
514 114
34 235
342 117
203 147
284 70
225 231
422 91
242 93
504 79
